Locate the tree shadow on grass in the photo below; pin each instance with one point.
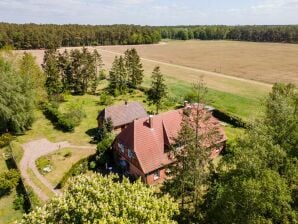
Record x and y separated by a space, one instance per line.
92 132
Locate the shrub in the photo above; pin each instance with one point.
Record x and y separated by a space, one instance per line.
5 139
43 162
65 122
8 181
105 99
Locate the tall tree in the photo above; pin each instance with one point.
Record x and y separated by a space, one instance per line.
113 77
53 82
190 174
16 99
158 90
134 68
96 199
118 77
35 78
257 179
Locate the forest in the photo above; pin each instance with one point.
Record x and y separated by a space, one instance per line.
35 36
286 34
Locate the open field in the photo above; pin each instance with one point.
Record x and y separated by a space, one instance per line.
184 62
265 62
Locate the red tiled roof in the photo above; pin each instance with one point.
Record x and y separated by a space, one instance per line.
148 142
124 113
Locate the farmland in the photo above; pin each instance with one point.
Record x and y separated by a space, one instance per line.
239 74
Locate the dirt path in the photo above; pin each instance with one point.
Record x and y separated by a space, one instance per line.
202 72
32 151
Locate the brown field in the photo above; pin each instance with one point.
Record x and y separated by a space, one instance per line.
242 68
265 62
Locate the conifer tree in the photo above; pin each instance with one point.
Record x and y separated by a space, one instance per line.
190 173
134 68
53 82
118 77
113 77
158 90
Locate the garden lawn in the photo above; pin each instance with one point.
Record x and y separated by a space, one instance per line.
61 162
7 213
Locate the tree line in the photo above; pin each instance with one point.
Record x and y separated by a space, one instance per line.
34 36
285 33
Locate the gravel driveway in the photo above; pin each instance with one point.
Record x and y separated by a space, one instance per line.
32 151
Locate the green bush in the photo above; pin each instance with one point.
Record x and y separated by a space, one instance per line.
105 99
42 162
8 181
5 139
67 121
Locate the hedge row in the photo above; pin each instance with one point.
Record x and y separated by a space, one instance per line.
78 168
65 122
230 119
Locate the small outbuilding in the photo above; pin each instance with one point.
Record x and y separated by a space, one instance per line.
122 115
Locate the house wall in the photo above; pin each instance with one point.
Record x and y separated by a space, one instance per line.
150 177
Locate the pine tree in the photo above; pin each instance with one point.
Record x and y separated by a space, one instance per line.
113 77
118 77
53 82
122 74
134 68
190 173
158 90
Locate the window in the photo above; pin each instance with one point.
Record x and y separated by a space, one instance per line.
130 153
121 147
156 175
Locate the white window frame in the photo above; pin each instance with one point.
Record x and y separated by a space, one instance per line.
156 175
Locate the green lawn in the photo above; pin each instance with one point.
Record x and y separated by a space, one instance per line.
61 161
7 213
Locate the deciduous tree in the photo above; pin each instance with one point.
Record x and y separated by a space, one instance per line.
96 199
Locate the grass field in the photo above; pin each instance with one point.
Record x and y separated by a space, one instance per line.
7 213
62 161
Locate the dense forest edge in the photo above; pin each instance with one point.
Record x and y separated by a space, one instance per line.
38 36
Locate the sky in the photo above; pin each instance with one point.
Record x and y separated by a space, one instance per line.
151 12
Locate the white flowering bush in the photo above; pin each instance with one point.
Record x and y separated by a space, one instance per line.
93 198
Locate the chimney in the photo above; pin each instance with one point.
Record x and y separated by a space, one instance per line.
185 104
151 121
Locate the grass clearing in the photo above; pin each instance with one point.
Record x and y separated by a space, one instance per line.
61 161
39 184
7 212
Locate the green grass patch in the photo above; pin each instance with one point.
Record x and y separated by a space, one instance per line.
244 107
61 161
7 212
39 184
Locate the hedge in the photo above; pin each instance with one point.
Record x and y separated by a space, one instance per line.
230 119
78 168
64 122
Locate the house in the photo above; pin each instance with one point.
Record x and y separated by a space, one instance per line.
142 149
122 115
